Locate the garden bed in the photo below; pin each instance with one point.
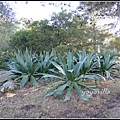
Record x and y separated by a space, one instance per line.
30 103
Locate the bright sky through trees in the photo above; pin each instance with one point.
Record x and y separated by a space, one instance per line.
35 11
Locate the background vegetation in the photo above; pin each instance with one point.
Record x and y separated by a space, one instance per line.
66 29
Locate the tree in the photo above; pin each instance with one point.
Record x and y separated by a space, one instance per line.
73 30
64 28
37 37
94 11
6 12
6 23
101 10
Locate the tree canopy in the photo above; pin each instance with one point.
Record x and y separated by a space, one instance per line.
64 28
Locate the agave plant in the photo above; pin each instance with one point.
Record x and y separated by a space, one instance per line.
70 74
88 65
107 63
25 67
45 59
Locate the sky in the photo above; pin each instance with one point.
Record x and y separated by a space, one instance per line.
35 11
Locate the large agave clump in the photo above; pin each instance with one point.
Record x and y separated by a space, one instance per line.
71 73
25 66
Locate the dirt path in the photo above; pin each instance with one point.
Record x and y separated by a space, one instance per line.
30 103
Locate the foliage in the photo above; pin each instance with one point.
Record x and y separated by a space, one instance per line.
101 10
20 40
45 59
63 49
75 71
6 10
73 30
105 64
4 58
38 38
115 43
63 29
25 66
28 66
71 75
93 10
7 26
